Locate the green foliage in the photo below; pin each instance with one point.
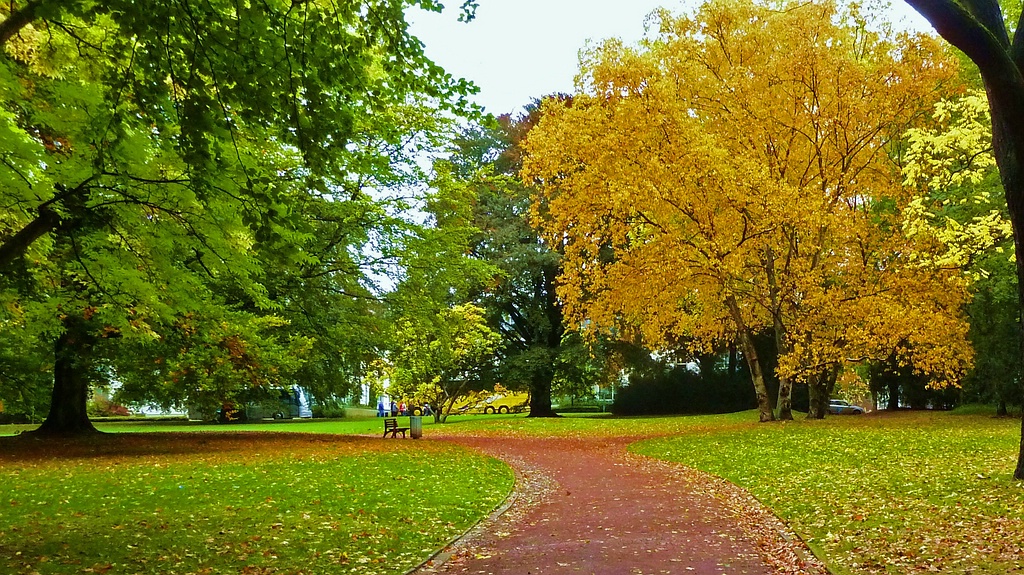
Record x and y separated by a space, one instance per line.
537 353
329 410
442 359
680 390
962 207
186 503
194 183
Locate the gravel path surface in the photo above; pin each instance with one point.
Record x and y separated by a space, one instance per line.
588 506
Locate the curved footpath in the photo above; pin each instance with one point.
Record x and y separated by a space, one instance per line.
588 506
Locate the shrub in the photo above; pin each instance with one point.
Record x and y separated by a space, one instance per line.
680 390
100 406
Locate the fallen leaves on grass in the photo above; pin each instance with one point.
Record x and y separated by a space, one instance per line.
914 493
236 503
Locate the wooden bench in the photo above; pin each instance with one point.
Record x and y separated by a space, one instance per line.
391 426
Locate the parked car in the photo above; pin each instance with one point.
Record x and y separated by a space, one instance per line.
840 407
506 402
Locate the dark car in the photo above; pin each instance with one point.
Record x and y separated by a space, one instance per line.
840 407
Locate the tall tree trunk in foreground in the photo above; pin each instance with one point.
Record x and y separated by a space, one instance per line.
72 350
978 29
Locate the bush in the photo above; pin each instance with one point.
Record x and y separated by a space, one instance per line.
329 411
680 390
102 407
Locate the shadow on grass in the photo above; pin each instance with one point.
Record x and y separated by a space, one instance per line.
29 447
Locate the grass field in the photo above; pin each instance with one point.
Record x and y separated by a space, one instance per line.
901 493
230 503
883 493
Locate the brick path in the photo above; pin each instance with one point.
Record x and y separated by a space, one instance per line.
587 506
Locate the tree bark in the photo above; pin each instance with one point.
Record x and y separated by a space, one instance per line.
17 20
72 350
1019 472
893 383
47 221
543 375
540 393
977 28
814 410
785 400
764 404
732 360
820 387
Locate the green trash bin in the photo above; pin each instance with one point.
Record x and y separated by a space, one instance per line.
416 426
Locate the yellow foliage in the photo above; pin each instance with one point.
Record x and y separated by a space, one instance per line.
721 179
954 154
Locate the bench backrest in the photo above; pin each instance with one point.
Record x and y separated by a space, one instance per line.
390 423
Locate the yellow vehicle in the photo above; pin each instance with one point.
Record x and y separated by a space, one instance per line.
498 401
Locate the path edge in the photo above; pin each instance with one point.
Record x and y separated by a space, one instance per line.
810 563
445 552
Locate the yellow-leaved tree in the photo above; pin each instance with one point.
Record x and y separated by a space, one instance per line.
734 175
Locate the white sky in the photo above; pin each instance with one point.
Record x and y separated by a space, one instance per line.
517 50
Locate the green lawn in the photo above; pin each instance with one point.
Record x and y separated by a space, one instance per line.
882 493
237 503
902 493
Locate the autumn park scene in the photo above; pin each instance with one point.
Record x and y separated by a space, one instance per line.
280 296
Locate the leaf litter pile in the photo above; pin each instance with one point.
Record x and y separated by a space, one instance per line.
249 503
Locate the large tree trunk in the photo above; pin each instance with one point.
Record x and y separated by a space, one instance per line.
1006 101
543 375
893 383
978 29
785 403
1019 472
540 393
72 351
821 386
819 401
764 403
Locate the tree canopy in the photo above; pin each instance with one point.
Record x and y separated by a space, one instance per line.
202 172
737 172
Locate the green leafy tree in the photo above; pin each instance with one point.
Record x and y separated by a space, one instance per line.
441 360
538 353
961 208
160 159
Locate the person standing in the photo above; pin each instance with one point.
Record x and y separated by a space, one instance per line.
394 409
380 407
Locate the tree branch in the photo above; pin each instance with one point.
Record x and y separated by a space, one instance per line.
962 28
989 15
17 20
1017 49
15 246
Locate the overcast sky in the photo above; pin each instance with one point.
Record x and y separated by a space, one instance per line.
516 50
